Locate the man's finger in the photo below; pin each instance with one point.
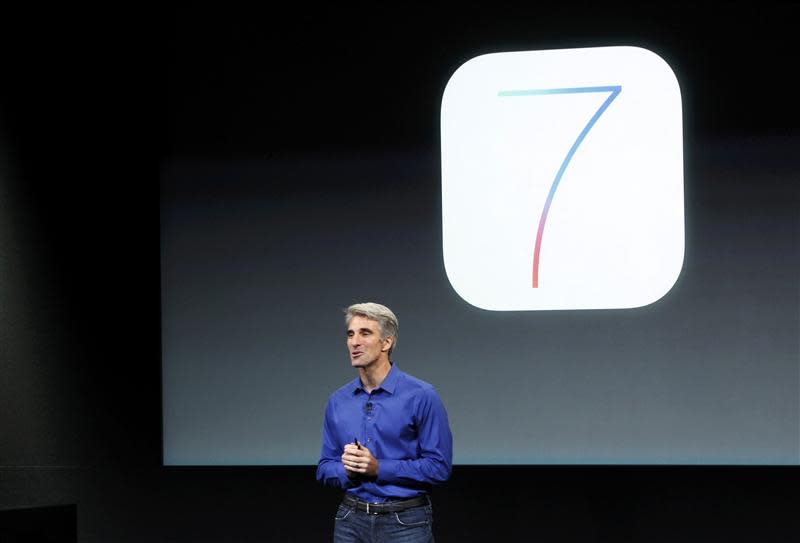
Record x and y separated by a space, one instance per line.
354 462
351 460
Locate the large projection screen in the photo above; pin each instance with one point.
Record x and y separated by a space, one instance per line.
259 257
346 155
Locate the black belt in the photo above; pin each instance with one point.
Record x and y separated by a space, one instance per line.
386 507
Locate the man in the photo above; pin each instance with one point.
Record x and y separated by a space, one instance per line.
385 439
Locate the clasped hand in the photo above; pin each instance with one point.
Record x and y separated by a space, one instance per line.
359 461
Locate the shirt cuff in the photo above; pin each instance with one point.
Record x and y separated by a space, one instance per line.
346 481
387 471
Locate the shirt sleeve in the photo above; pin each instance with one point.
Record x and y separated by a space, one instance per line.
330 470
435 444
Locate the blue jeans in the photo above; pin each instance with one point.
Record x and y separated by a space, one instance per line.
414 525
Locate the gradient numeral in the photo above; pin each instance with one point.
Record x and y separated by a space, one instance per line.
614 91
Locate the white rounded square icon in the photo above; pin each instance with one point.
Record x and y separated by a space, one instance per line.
562 179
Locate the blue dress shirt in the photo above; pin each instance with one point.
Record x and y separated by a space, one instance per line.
402 422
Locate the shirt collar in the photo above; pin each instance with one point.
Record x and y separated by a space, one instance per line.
389 382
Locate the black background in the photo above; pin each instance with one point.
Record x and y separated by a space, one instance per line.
93 102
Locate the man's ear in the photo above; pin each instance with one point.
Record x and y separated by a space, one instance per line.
388 341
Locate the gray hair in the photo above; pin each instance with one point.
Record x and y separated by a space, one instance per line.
376 312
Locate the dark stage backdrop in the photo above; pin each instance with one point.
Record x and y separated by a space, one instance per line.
304 175
98 107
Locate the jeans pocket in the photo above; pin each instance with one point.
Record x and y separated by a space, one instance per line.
343 512
415 516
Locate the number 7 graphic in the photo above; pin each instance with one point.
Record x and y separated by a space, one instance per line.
614 92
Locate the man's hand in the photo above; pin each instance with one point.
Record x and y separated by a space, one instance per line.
358 461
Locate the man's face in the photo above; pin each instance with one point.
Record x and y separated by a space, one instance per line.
364 342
